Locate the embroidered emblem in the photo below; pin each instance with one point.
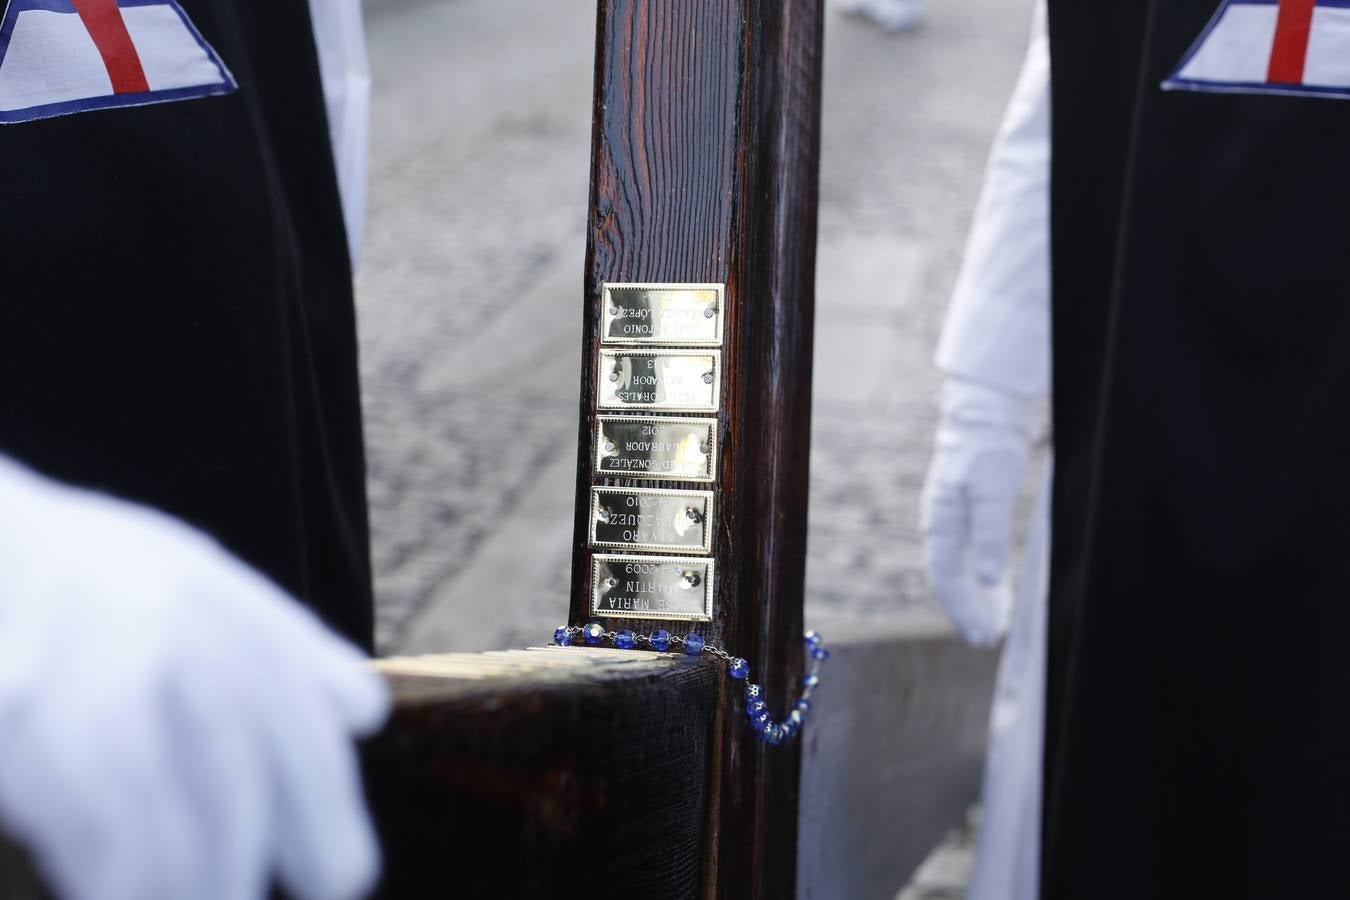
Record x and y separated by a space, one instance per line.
66 56
1271 47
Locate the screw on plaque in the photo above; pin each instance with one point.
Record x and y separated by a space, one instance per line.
691 580
609 446
710 312
707 378
604 515
694 515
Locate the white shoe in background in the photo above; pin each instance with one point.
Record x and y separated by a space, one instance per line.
893 15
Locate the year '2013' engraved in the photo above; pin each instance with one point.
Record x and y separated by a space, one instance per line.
652 587
683 380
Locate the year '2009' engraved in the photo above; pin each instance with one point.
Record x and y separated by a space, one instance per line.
655 447
652 587
688 381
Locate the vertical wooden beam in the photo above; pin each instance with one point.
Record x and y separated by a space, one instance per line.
704 169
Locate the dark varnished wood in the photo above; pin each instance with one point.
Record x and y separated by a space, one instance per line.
585 782
705 153
538 788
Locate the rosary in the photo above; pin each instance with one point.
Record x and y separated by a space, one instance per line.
756 709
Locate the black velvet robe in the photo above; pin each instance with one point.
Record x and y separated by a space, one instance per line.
1198 723
176 316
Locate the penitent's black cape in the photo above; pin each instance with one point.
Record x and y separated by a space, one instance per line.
176 316
1198 721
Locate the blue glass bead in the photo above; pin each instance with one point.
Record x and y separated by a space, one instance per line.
739 668
790 728
755 707
820 653
804 705
693 644
561 637
593 633
660 639
811 680
761 721
813 638
796 718
753 692
773 735
625 640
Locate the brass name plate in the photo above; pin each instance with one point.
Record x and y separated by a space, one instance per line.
656 447
652 587
659 379
688 314
652 519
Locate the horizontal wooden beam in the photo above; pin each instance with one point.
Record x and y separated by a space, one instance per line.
531 774
544 773
570 771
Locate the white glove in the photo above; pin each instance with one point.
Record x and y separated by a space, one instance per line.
172 725
969 495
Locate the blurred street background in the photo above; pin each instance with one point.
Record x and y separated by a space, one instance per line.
470 293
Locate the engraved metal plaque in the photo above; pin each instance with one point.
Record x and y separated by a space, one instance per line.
656 447
652 587
687 314
652 519
660 379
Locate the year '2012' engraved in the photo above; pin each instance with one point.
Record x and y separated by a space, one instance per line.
670 448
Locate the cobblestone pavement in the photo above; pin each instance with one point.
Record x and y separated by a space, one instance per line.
471 279
471 275
479 166
907 124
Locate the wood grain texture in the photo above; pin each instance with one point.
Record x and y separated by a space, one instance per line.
545 787
704 168
571 775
